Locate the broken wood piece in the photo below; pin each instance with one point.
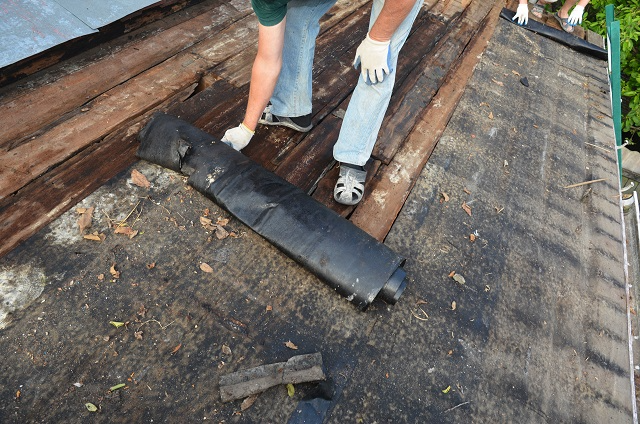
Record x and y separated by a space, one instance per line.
298 369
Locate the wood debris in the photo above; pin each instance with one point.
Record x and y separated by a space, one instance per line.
246 383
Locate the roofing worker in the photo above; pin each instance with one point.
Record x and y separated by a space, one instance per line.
280 89
567 21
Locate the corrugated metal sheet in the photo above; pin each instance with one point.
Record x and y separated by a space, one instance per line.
28 27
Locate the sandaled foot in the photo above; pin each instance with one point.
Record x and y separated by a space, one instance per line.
349 188
298 123
537 10
563 23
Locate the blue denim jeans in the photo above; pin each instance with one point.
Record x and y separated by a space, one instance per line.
368 105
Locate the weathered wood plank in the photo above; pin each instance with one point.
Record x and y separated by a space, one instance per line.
82 86
389 191
116 107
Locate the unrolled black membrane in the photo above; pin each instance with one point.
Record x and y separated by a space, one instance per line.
576 43
348 259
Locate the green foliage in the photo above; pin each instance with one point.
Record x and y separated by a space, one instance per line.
628 13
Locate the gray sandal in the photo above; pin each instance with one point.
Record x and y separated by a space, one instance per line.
349 188
300 123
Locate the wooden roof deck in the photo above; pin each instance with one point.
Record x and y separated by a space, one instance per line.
68 129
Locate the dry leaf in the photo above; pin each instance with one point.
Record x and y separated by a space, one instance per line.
290 345
206 212
142 311
246 404
445 197
114 273
466 208
466 190
205 221
127 231
140 180
269 308
177 348
459 279
226 350
151 265
81 210
515 72
94 236
451 274
85 219
100 277
490 115
138 335
206 267
222 221
472 238
453 305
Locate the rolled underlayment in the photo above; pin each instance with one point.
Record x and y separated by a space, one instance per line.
348 259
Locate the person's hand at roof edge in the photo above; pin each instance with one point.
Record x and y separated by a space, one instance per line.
522 13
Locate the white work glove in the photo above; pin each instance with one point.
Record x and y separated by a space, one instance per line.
238 137
373 58
575 18
522 14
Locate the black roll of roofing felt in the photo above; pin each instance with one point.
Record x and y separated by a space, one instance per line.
348 259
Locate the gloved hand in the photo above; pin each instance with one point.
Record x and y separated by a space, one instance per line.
238 137
522 14
575 18
373 58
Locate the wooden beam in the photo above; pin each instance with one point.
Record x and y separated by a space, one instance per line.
389 191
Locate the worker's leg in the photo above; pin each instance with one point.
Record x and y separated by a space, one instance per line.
292 96
369 103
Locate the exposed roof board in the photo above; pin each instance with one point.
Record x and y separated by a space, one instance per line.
28 27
